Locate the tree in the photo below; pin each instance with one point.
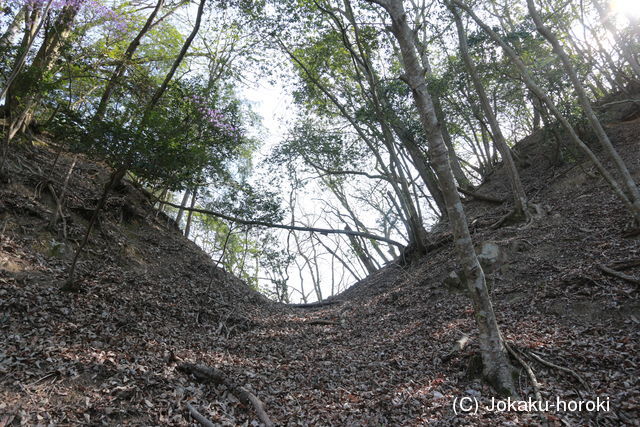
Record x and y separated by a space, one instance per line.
519 196
496 366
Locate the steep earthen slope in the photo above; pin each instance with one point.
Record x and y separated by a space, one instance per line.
379 355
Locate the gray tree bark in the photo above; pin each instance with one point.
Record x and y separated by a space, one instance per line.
122 65
496 366
603 138
519 196
544 98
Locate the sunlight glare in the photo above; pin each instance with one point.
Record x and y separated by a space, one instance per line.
626 8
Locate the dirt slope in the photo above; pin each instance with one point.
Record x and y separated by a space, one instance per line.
380 355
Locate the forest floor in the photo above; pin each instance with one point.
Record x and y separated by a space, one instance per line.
151 300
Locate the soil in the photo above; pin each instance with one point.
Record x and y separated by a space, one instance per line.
381 354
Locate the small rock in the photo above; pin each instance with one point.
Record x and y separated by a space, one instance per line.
437 395
473 392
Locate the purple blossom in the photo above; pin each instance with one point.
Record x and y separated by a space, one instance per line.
213 116
94 7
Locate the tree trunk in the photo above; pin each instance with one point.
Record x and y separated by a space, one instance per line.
116 176
122 65
187 228
12 29
456 167
361 253
497 368
519 196
603 138
176 63
539 92
183 204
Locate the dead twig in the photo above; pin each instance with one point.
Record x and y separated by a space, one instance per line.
199 417
207 374
619 275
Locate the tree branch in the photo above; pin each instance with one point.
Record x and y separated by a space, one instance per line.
324 231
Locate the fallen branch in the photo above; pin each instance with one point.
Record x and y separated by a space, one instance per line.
207 374
199 417
619 275
324 231
560 368
315 304
320 322
481 196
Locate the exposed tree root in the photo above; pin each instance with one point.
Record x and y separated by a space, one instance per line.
206 374
560 368
619 275
528 370
532 212
199 417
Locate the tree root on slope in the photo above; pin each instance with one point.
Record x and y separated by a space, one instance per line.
199 417
559 368
619 275
207 374
528 370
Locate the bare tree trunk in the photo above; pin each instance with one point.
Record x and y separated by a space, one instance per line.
361 253
185 199
116 176
21 84
122 65
456 168
176 63
539 92
339 258
30 38
421 164
603 138
187 228
12 29
519 196
60 204
497 368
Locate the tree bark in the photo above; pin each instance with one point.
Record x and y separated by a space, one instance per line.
185 199
361 253
519 196
539 92
187 228
176 63
603 138
122 65
497 368
116 176
12 29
